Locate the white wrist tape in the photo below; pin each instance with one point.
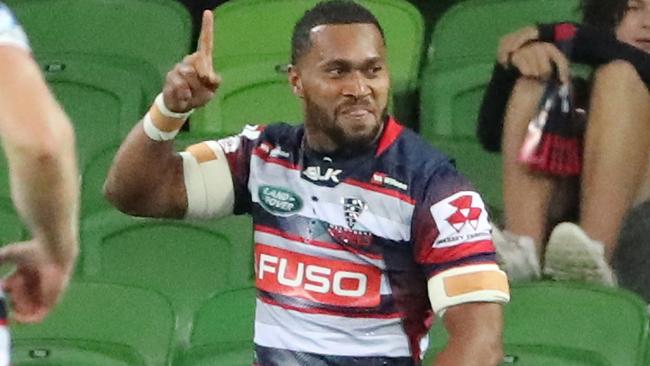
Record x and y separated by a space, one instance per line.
154 132
161 124
208 182
160 104
472 283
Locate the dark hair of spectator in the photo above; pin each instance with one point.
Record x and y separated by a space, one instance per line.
324 13
606 14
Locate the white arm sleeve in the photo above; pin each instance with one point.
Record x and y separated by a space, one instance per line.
472 283
11 33
208 181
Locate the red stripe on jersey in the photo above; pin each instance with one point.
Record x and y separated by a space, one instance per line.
391 133
320 280
316 243
3 322
341 313
268 159
460 251
374 188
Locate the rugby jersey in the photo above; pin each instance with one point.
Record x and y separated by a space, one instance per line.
344 246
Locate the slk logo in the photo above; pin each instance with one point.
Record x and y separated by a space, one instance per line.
315 173
352 209
464 213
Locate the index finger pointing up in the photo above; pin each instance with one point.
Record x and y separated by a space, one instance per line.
205 37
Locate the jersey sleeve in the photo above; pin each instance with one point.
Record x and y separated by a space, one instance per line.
238 150
453 243
11 33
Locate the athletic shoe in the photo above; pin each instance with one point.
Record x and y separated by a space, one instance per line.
572 256
516 255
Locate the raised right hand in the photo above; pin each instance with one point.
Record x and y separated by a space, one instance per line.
193 82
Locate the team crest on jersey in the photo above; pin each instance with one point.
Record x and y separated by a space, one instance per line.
460 218
352 209
278 200
354 234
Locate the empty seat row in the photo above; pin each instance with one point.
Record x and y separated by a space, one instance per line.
546 323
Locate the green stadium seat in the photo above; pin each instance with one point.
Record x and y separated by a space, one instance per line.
223 331
570 324
457 70
186 261
251 94
143 74
470 30
103 100
227 353
239 44
92 182
99 100
157 31
11 227
99 324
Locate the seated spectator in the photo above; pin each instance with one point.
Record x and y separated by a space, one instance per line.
614 175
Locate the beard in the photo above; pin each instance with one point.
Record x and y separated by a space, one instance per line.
346 141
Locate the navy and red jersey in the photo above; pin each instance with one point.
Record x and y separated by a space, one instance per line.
344 246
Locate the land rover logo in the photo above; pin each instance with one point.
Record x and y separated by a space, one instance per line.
279 200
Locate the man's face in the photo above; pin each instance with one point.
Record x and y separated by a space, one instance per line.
344 82
634 28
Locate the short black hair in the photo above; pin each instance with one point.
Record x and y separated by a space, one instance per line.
328 12
605 14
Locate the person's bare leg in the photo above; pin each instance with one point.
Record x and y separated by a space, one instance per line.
525 195
617 143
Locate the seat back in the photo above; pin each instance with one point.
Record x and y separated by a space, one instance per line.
251 94
157 31
99 324
186 261
102 100
470 30
549 323
223 330
11 227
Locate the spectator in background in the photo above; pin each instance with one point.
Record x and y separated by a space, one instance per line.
615 39
362 231
38 141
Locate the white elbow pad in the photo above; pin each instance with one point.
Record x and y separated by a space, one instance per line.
472 283
208 181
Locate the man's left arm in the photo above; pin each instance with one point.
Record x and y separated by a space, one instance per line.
466 287
475 335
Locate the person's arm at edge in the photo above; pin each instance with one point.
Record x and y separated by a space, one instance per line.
39 143
38 140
